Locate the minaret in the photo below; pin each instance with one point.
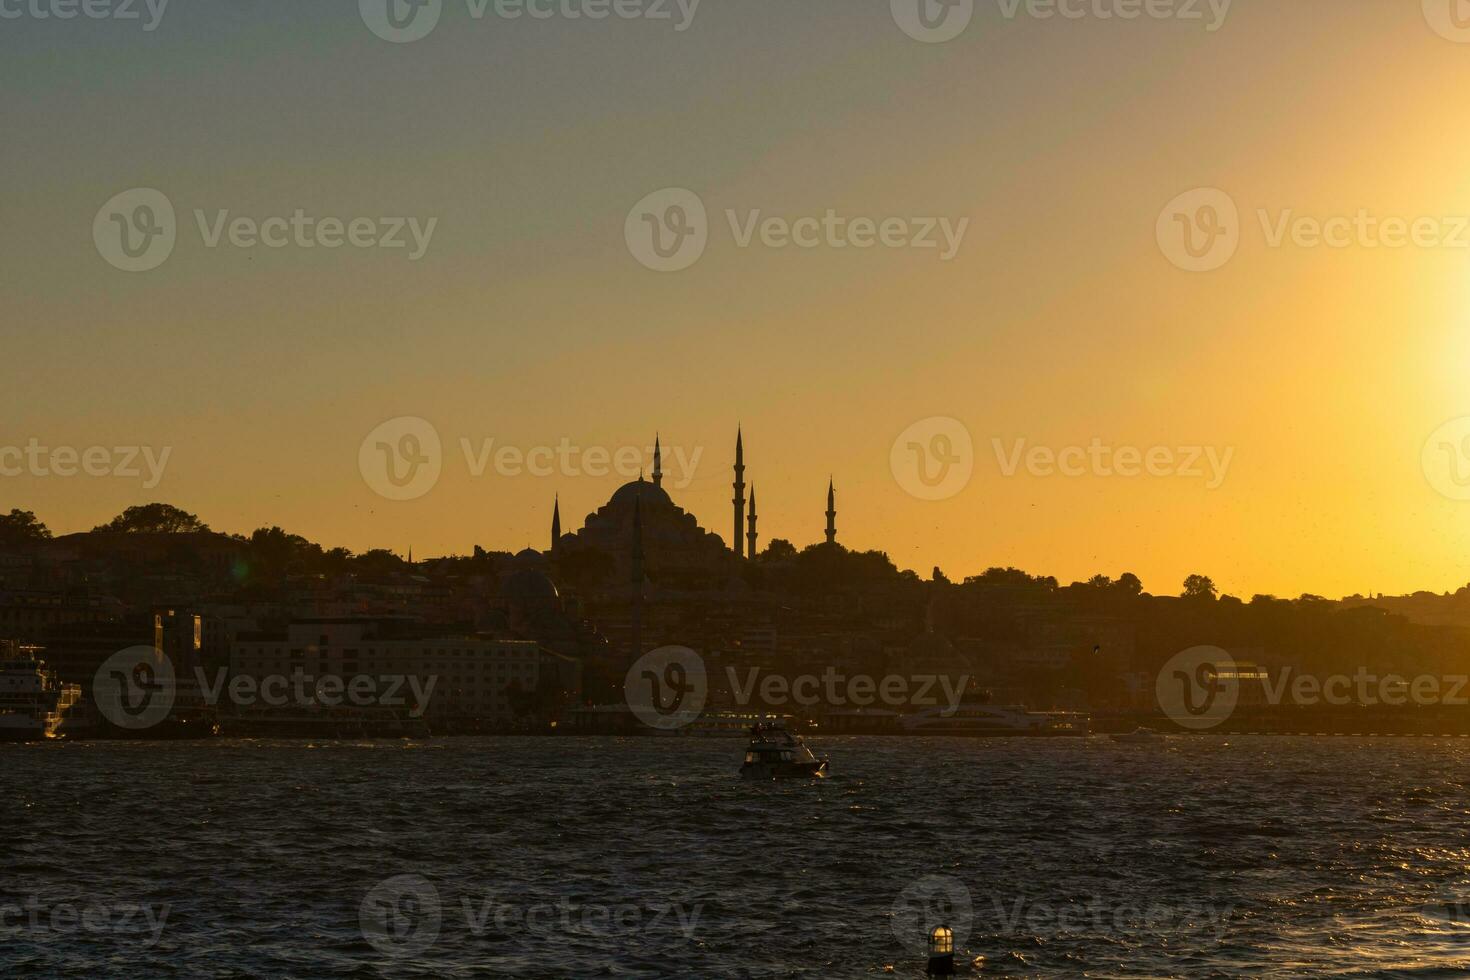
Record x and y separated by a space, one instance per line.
637 577
750 538
831 513
556 522
738 544
658 463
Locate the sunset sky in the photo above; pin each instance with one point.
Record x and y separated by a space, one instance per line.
1323 371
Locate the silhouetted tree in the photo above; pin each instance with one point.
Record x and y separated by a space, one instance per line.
1011 576
336 561
1199 587
21 527
1129 584
779 550
275 553
379 563
154 519
823 567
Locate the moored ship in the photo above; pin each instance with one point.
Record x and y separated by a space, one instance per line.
722 723
993 721
33 702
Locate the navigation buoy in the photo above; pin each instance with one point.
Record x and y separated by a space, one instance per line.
941 952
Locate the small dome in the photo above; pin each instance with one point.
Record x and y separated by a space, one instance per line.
528 584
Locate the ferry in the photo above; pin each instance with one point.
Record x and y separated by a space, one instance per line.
720 723
991 720
33 702
775 753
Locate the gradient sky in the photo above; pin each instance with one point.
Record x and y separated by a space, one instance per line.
528 321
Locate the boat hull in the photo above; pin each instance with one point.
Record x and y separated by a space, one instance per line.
24 734
785 770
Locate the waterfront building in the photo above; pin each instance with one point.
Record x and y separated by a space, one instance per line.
479 681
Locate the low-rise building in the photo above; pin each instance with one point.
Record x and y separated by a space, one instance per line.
470 681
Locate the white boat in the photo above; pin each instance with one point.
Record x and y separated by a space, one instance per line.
33 702
992 720
775 753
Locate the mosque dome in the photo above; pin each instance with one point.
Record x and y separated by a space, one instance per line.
528 584
639 489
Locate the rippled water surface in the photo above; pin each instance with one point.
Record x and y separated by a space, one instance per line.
650 857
